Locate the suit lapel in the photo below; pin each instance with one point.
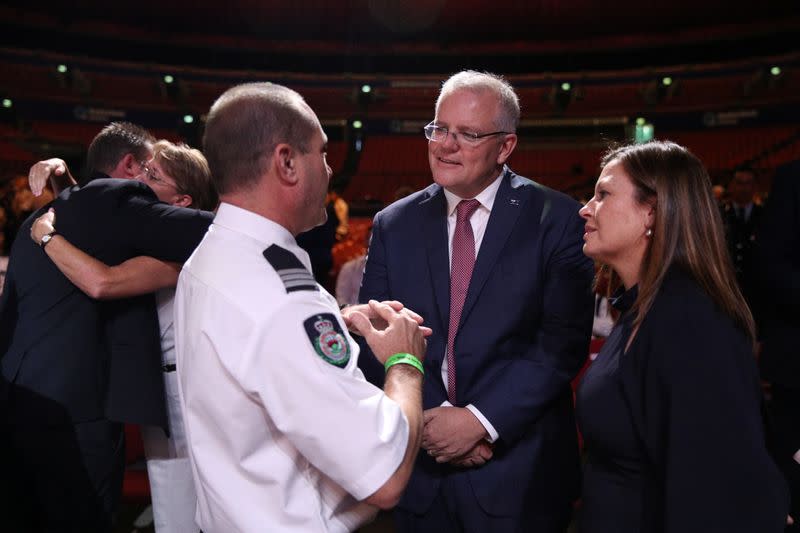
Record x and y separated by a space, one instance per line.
434 225
508 204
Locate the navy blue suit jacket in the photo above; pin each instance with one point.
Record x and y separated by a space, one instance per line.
93 359
523 335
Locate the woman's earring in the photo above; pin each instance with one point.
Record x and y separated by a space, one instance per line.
649 232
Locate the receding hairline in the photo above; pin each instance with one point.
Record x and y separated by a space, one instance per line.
482 83
258 93
242 98
246 124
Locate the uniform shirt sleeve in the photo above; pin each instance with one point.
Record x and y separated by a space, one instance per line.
344 426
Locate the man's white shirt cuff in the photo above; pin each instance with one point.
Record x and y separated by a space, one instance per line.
493 434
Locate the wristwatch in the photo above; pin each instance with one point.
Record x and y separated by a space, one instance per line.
46 238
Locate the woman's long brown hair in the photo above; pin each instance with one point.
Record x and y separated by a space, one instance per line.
688 231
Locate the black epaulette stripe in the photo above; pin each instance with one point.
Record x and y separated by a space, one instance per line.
302 288
282 259
293 273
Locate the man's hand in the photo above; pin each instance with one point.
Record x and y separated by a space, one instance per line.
43 171
477 456
43 225
377 321
451 432
403 333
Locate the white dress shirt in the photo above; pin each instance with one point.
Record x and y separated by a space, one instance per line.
478 221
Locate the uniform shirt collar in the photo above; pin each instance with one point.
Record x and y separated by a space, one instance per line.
254 226
486 196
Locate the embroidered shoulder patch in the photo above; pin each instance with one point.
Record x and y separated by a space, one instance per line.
294 275
328 339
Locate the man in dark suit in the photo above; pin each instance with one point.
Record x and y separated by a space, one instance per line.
741 216
494 263
778 268
75 368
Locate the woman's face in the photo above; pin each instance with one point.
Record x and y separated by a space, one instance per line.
616 223
163 184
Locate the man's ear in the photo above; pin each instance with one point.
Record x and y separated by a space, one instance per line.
509 143
129 166
283 159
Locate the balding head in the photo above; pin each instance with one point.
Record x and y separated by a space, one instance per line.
245 125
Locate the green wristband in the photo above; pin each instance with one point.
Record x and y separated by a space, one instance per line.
404 359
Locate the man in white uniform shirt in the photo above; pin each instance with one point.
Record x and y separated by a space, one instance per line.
284 433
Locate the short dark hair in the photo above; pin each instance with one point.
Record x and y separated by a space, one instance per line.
114 142
245 125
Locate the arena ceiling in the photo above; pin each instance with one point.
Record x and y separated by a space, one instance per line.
397 36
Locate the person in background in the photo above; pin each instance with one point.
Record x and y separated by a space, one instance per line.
348 283
670 410
3 223
21 203
342 212
778 269
604 316
3 269
719 193
179 176
741 216
318 242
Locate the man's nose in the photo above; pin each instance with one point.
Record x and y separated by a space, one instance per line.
450 142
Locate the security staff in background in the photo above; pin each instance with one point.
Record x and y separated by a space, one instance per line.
741 216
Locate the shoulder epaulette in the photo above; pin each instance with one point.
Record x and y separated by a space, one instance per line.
294 275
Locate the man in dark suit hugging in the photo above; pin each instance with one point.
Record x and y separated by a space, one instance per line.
77 368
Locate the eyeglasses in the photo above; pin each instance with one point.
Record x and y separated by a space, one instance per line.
151 176
439 134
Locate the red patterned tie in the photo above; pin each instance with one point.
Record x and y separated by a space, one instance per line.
460 273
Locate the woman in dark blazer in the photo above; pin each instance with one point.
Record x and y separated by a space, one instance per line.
671 408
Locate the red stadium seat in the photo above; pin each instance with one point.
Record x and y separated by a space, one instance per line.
135 484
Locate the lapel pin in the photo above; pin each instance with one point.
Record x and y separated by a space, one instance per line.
514 201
